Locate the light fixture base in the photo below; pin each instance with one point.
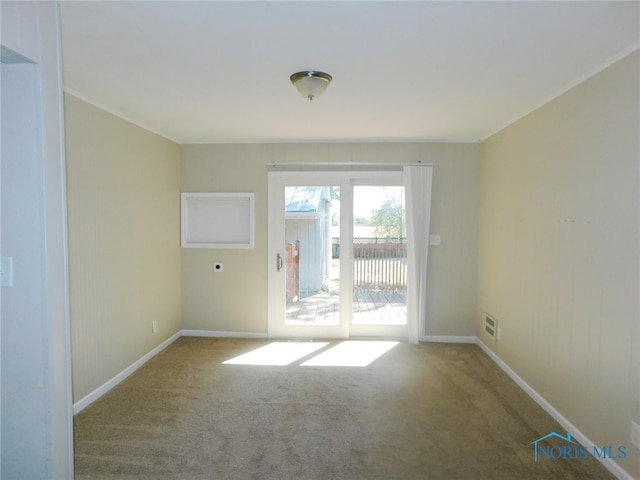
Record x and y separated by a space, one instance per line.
310 83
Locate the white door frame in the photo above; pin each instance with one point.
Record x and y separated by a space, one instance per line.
276 280
41 350
276 303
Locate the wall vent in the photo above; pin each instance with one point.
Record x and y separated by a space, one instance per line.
490 326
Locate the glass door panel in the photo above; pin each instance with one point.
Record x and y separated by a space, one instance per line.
311 218
379 256
307 295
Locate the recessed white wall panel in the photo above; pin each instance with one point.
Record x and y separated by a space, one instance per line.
218 220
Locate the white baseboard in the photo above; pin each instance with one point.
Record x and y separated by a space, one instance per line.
448 339
221 334
608 463
101 390
104 388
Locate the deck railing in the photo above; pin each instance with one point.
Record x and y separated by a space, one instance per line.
379 265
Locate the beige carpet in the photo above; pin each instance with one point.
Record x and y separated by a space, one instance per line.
433 411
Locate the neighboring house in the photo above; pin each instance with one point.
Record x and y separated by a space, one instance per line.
308 219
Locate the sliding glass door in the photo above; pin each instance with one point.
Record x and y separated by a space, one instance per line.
337 248
379 256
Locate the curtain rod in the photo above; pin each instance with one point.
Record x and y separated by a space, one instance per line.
348 164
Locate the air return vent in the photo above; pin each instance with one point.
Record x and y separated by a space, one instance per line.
490 326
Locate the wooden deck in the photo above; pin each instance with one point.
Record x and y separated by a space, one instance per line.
368 309
379 309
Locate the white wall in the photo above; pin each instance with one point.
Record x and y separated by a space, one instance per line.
559 252
36 435
236 300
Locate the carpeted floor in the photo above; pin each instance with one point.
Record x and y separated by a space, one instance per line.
432 411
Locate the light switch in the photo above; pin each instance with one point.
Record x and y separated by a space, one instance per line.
434 239
6 271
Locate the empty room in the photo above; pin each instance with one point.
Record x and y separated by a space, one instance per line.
320 240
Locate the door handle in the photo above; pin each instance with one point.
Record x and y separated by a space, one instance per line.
279 262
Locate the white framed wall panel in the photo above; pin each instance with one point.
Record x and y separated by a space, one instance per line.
218 220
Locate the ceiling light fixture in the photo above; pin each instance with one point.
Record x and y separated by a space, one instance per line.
311 84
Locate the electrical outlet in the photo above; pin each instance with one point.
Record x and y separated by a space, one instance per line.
218 267
635 434
154 326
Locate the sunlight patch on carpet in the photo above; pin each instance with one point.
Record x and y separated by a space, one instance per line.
351 354
276 354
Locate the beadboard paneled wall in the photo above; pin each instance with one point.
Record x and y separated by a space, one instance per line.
124 242
236 301
559 252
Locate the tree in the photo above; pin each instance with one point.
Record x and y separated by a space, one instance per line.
389 219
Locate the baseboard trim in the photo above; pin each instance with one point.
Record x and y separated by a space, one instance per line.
448 339
221 334
104 388
608 463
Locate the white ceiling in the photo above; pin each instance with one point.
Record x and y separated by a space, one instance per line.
206 72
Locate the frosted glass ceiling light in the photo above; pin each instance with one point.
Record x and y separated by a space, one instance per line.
311 84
